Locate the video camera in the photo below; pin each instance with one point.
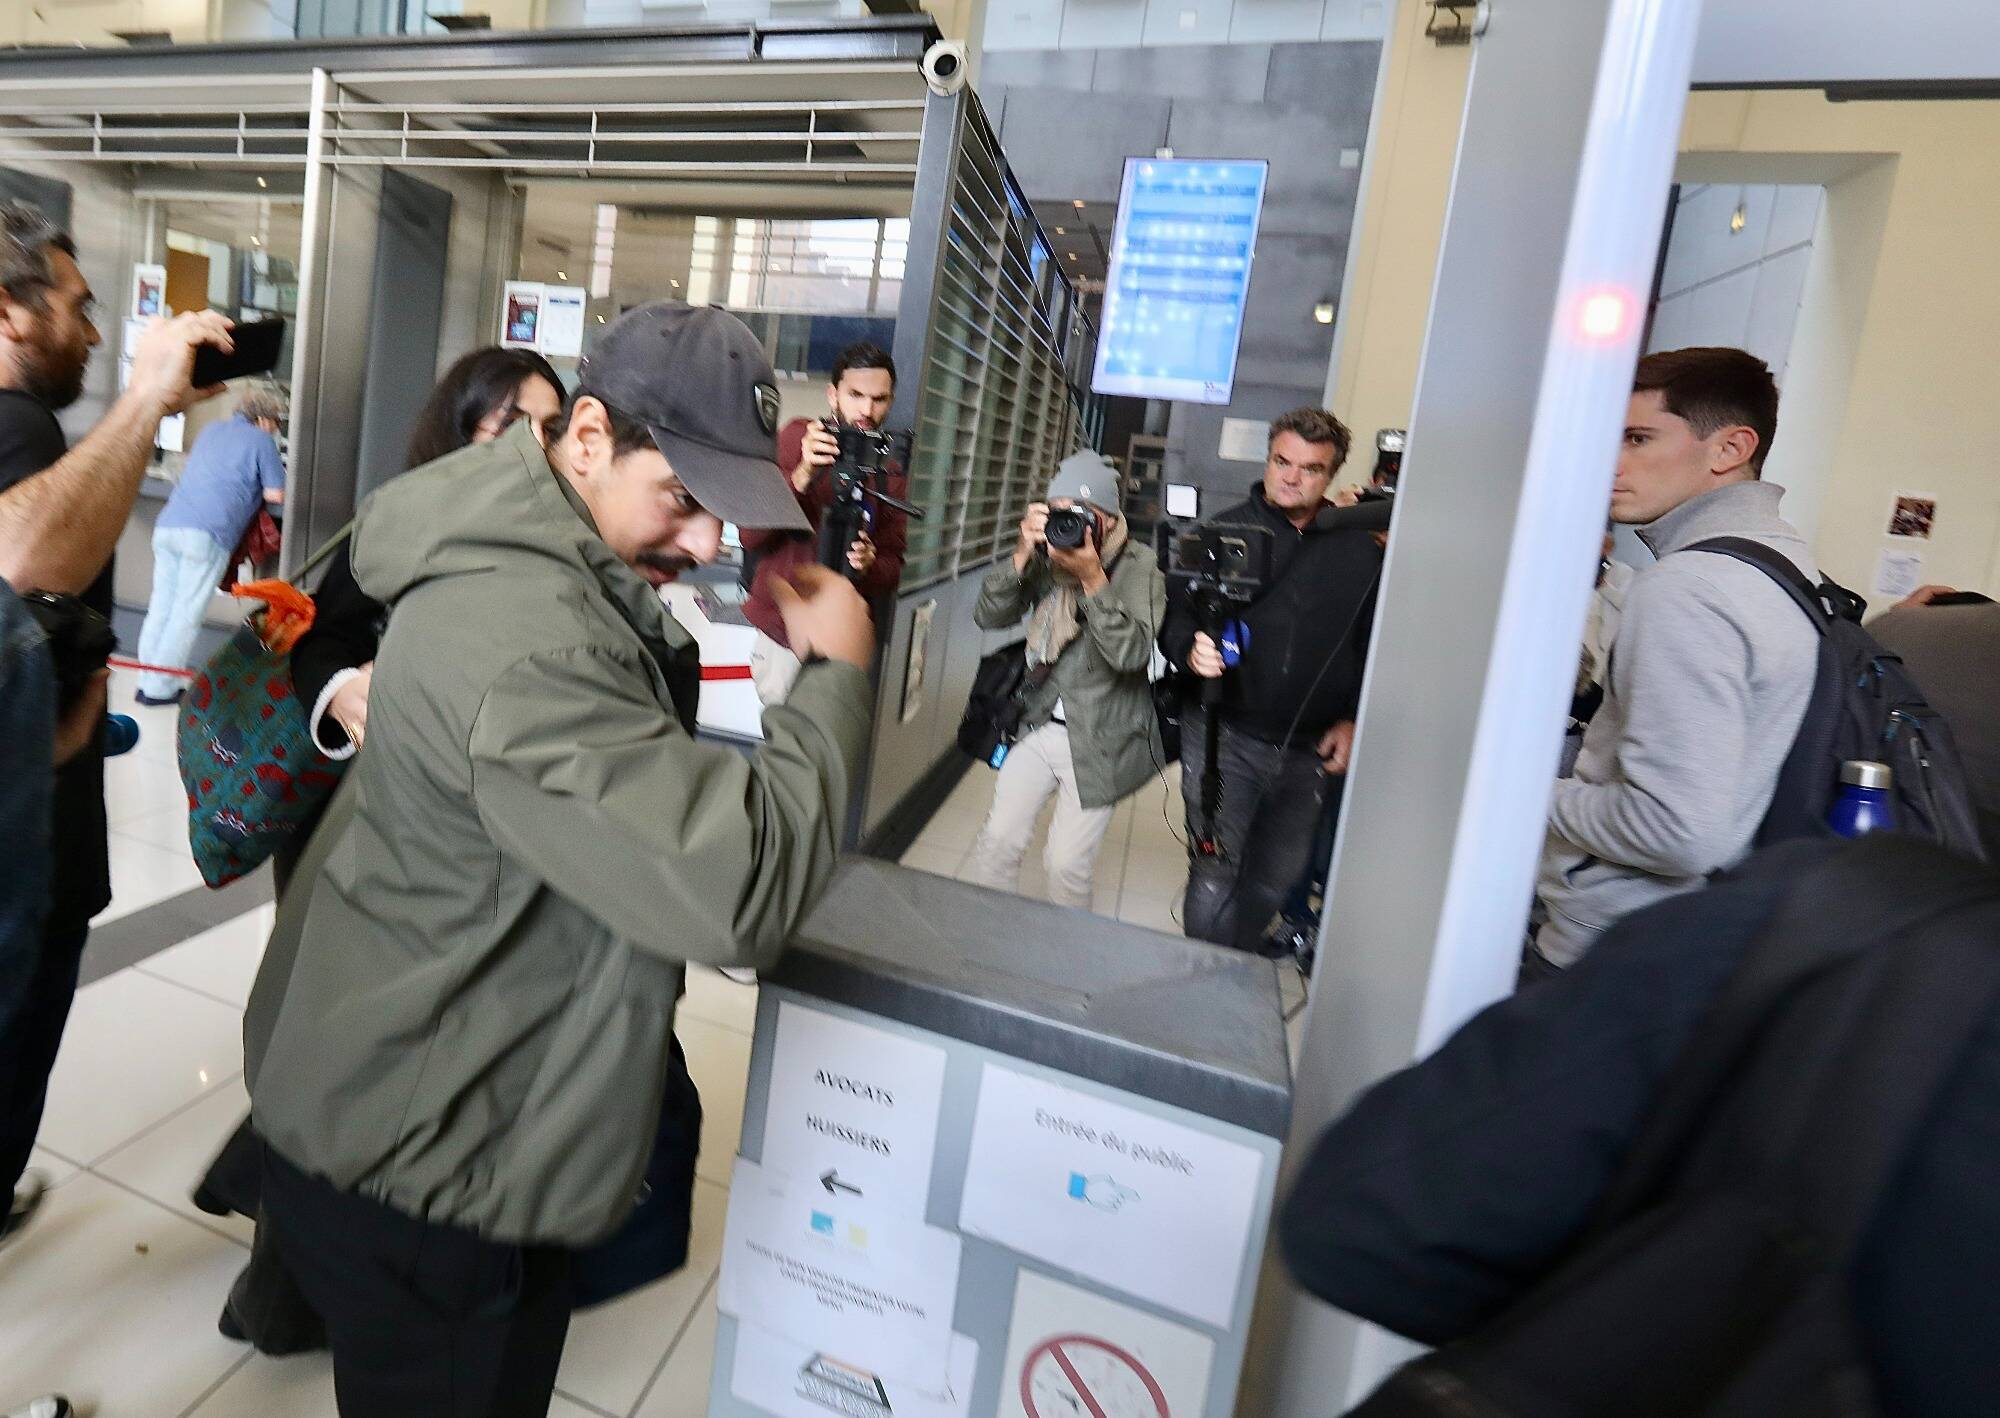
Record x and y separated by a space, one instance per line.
1224 569
80 642
866 454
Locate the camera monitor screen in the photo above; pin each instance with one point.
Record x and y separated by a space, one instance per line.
1180 273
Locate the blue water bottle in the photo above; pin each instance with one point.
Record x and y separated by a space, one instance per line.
1864 805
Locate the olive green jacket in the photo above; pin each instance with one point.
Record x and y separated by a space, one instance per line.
475 1027
1100 676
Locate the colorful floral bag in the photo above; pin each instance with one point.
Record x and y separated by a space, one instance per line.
253 774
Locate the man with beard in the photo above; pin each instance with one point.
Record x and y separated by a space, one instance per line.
464 1068
61 511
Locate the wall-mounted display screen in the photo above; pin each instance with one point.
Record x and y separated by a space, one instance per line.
1180 271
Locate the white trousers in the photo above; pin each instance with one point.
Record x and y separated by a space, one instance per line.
1035 767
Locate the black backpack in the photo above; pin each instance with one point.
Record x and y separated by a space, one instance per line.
1714 1280
1865 705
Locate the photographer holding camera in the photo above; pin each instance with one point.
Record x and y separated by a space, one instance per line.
1093 602
61 510
860 392
1287 705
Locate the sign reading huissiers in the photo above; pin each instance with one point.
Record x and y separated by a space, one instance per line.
853 1109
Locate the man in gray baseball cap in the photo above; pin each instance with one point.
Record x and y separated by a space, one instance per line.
459 1040
697 379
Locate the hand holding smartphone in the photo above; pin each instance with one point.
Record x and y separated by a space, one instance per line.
256 352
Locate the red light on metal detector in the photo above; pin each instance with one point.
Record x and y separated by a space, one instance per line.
1605 315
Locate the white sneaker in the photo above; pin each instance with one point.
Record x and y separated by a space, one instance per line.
28 1197
49 1405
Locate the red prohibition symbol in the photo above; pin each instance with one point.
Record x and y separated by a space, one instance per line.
1109 1382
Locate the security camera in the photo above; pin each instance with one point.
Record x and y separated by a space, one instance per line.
944 67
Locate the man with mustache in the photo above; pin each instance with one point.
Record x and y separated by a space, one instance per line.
464 1073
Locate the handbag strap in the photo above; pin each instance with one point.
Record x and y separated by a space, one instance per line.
332 544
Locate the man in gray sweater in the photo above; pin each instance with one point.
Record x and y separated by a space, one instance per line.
1712 669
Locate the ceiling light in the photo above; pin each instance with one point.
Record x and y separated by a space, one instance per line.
562 275
1078 204
262 182
1739 218
1323 312
1062 231
256 241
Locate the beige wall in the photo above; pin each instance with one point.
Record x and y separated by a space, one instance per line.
1894 383
1912 218
1388 292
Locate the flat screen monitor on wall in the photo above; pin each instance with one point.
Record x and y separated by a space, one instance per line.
1180 270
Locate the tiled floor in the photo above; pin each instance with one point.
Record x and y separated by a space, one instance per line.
112 1295
1141 868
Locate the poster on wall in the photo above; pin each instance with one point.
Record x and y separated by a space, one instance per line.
913 671
562 321
149 292
1914 515
521 315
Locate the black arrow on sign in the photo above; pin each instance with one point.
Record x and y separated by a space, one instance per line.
831 1181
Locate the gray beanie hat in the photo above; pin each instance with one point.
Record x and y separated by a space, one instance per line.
1085 476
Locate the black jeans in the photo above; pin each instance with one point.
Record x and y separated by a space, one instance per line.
422 1318
1271 799
31 1030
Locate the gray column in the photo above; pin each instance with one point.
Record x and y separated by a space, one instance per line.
1571 124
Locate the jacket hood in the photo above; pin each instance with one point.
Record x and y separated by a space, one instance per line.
482 509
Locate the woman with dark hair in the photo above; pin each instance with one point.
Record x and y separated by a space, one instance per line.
480 397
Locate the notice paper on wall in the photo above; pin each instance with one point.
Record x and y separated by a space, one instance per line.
1244 441
797 1381
1133 1201
1070 1352
562 321
1897 573
853 1109
840 1276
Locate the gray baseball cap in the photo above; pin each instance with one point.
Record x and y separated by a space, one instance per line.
699 381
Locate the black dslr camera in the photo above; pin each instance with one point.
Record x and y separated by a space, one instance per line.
80 642
1067 527
865 456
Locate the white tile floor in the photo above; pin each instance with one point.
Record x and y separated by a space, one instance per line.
112 1295
1141 868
